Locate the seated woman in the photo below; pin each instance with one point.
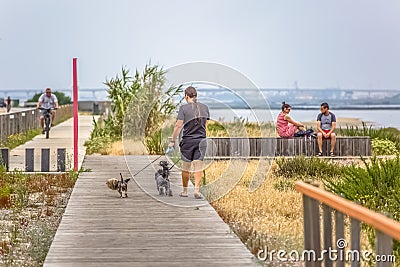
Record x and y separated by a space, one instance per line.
285 126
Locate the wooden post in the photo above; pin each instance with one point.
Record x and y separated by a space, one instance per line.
327 219
45 160
355 241
29 159
384 248
75 98
61 159
5 160
312 242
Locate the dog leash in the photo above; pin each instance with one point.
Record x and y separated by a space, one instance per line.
174 164
147 165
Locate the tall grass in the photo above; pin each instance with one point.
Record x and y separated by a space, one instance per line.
391 134
139 107
240 128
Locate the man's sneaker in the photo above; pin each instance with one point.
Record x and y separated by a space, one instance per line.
43 131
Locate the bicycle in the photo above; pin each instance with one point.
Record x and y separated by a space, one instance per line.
47 120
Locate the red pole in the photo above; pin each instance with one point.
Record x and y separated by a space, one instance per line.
75 98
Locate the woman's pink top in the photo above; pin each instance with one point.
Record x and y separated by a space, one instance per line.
283 127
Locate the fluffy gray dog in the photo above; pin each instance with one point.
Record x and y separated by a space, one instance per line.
162 180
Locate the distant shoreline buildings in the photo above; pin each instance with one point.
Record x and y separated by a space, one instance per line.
223 98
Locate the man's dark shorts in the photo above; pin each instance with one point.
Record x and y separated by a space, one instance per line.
193 149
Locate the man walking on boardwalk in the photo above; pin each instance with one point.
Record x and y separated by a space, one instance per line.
326 124
193 117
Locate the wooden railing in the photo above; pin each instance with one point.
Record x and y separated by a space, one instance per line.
386 228
23 121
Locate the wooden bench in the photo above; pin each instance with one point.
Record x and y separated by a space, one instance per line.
276 146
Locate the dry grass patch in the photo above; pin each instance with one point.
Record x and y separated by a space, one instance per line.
266 217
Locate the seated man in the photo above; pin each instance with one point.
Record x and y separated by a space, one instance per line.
326 124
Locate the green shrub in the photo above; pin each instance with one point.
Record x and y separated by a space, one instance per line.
139 104
313 167
61 97
383 147
375 186
154 143
302 168
5 190
18 139
391 134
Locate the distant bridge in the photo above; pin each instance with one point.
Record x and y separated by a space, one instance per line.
92 93
279 93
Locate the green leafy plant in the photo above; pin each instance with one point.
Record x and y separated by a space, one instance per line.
61 97
383 147
154 143
391 134
376 186
138 103
18 139
307 167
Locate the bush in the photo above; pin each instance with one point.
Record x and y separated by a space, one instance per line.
139 106
17 139
61 97
391 134
314 168
383 147
375 186
301 168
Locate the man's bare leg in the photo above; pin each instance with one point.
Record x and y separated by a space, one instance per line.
53 115
185 176
198 175
42 121
333 141
320 142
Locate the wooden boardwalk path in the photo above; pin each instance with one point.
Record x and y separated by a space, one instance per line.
100 229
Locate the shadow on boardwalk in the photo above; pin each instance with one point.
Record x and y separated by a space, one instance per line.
100 229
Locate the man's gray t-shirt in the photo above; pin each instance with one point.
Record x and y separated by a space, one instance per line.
194 128
48 102
326 120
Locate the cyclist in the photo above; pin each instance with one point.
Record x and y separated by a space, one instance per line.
47 100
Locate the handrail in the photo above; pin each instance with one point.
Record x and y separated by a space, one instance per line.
379 221
22 121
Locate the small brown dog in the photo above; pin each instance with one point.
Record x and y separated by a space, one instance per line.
120 185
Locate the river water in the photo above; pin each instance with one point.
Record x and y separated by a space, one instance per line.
377 117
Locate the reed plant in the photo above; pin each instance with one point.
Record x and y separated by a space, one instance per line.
139 107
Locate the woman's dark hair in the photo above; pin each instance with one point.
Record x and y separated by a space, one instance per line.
284 105
192 93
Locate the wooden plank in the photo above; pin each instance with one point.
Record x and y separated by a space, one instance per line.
100 229
259 147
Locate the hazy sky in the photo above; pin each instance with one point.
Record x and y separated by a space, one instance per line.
319 44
